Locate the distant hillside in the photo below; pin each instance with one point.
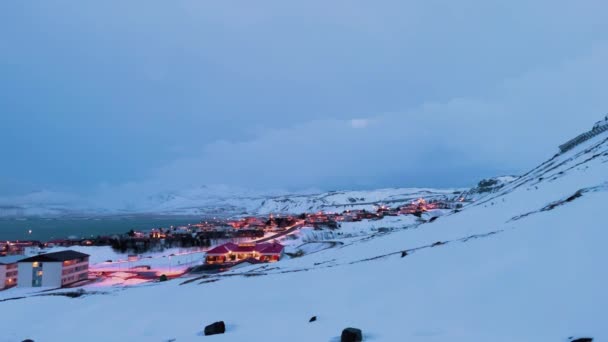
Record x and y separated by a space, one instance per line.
220 201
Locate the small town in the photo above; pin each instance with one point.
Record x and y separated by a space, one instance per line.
303 171
209 246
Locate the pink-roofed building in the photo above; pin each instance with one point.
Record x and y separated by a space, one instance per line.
231 252
269 252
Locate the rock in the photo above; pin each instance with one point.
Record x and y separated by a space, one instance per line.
583 339
28 340
438 243
404 253
163 277
351 335
312 319
215 328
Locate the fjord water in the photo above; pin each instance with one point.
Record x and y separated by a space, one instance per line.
57 228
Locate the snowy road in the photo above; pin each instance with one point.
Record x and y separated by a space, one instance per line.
287 231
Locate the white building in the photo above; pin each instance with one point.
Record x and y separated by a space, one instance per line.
31 250
53 269
8 271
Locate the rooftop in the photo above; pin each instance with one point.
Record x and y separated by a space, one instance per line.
11 259
262 248
56 256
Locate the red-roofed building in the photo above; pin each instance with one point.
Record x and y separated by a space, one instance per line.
231 252
269 252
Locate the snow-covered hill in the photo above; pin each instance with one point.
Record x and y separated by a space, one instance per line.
488 186
216 201
207 201
342 200
42 204
525 263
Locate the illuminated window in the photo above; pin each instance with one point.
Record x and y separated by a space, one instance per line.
35 264
39 273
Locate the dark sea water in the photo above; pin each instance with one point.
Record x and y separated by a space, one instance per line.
47 229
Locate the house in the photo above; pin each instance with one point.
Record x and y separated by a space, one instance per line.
232 253
157 234
8 271
349 216
56 269
138 235
16 247
59 242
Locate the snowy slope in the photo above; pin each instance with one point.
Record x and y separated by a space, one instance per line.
523 264
341 200
488 186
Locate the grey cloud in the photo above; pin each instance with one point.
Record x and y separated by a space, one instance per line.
520 122
268 94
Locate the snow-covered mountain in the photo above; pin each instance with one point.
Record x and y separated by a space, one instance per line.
342 200
215 201
200 201
42 204
524 263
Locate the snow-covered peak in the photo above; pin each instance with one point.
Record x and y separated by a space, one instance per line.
490 185
601 122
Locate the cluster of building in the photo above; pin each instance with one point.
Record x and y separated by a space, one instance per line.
329 219
58 269
211 229
17 247
250 222
68 267
206 233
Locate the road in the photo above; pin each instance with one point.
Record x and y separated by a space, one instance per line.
287 231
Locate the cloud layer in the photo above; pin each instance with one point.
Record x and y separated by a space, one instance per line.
140 97
517 124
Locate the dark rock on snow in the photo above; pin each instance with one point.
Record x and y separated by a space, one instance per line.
215 328
351 335
583 339
312 319
28 340
404 253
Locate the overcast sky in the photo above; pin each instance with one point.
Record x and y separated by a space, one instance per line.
292 94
